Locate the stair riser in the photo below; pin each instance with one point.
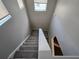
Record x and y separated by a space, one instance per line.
26 55
29 48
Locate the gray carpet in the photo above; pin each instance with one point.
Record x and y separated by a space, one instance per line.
29 50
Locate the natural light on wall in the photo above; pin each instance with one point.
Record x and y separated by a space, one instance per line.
40 5
20 3
4 14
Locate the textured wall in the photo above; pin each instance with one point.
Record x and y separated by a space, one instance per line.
65 25
13 32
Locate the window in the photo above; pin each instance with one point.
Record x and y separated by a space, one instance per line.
4 14
40 5
3 10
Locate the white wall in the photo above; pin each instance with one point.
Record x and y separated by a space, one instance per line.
13 32
40 19
65 25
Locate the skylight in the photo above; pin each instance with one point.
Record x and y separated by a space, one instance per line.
41 1
40 5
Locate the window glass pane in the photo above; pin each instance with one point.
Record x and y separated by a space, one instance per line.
41 1
40 7
4 14
3 10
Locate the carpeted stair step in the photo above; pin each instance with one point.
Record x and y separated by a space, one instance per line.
31 40
28 51
28 48
25 58
30 43
23 54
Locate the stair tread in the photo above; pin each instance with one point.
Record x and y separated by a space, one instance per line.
28 48
31 40
29 45
26 54
25 58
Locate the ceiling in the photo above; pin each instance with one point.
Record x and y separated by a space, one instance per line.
40 19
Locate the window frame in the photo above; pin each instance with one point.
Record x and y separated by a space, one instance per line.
40 10
6 16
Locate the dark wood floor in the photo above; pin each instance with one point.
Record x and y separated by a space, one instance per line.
57 48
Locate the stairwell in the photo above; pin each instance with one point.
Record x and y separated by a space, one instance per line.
29 49
33 48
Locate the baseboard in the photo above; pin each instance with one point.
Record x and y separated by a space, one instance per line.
12 54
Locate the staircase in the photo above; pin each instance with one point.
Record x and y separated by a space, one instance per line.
29 50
